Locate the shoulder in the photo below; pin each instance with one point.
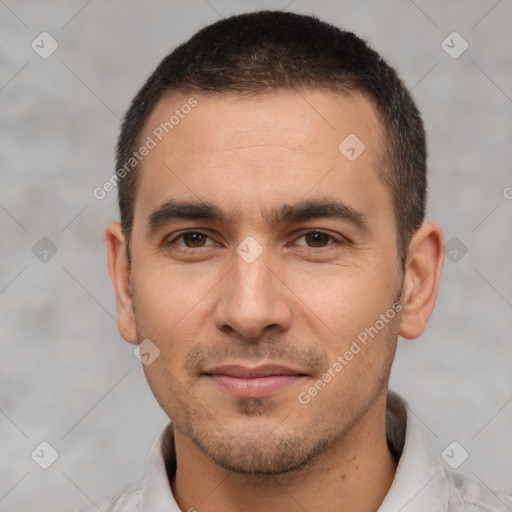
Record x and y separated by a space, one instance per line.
126 501
474 496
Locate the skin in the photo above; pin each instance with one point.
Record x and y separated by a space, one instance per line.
300 303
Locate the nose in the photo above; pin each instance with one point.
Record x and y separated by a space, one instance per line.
253 299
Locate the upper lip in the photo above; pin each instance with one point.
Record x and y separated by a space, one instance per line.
245 372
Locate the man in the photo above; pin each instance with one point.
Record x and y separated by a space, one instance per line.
272 248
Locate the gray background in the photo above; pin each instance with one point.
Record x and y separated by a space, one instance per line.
66 376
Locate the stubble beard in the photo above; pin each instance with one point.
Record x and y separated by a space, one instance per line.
272 450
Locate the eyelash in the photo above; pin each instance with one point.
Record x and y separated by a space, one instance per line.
169 243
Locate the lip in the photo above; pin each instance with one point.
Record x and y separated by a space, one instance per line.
259 382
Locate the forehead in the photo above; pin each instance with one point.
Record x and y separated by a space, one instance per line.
293 118
270 148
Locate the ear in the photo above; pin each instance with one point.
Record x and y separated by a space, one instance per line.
422 275
119 270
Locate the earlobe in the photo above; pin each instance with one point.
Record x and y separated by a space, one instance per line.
422 276
120 274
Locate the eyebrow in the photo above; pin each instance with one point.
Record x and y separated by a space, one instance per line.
300 211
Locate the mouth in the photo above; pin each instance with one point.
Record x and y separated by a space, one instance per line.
259 382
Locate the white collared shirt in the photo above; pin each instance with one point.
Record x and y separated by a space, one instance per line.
420 484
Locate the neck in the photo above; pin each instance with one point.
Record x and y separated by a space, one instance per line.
354 474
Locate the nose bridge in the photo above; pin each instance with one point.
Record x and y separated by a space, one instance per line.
251 280
251 300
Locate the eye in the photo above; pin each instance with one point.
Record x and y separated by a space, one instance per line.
190 240
316 239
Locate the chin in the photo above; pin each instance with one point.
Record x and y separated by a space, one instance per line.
260 451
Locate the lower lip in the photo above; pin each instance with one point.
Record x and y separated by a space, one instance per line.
256 387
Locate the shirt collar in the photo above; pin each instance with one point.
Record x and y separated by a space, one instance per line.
419 484
157 494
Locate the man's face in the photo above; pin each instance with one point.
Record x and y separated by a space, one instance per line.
253 299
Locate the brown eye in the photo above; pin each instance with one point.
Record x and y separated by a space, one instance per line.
317 239
194 239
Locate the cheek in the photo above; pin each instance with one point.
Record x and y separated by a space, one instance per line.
164 296
164 309
344 300
344 311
